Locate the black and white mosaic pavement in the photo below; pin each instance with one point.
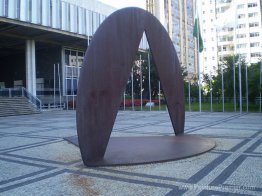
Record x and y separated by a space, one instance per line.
36 160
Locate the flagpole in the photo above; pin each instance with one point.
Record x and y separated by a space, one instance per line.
72 86
159 100
198 61
234 80
260 88
132 80
240 86
189 98
234 65
59 85
66 91
149 80
239 65
141 89
196 33
223 101
124 100
54 85
246 89
211 96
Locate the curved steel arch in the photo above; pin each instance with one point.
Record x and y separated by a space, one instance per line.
106 70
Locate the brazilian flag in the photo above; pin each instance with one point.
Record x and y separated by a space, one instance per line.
197 34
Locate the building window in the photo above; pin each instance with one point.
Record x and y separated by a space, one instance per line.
252 5
213 58
241 35
243 55
254 14
256 54
241 6
241 45
225 38
254 24
230 38
73 61
222 38
241 16
222 9
255 34
254 44
241 26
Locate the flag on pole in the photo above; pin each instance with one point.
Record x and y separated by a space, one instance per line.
197 34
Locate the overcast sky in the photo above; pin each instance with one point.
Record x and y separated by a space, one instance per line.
125 3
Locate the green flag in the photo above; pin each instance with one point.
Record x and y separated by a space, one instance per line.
197 34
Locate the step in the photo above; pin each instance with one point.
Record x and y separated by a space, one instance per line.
16 106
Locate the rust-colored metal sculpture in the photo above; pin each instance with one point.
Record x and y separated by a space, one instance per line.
106 69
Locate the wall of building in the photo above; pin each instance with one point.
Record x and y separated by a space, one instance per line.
93 5
57 14
208 58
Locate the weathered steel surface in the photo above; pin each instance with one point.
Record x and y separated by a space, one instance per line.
150 149
106 69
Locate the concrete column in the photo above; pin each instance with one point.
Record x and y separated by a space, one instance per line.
30 67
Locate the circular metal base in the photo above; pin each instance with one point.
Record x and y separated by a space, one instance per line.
150 149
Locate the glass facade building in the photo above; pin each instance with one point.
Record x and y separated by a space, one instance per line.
59 31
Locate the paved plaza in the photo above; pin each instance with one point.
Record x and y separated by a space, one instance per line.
36 160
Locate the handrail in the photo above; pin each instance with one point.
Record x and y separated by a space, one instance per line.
21 92
33 99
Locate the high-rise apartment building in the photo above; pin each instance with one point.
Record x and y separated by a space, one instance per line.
178 21
156 7
230 27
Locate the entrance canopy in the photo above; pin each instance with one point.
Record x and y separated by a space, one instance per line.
14 34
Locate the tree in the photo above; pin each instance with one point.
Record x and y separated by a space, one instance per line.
207 80
154 79
228 77
254 81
